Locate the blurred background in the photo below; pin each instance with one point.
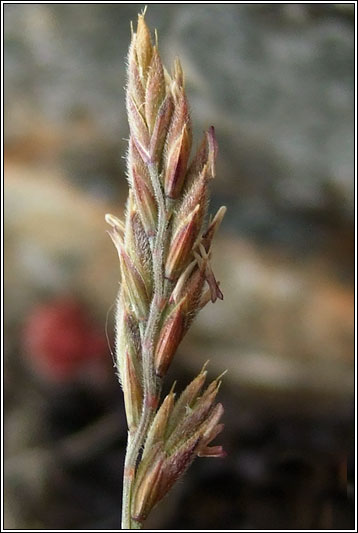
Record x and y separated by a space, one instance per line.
277 81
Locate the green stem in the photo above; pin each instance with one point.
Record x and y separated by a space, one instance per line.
151 384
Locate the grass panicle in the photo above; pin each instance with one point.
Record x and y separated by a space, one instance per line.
164 248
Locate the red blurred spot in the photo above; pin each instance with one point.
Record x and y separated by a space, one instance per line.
61 339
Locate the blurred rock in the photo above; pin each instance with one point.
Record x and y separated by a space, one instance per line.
284 326
55 241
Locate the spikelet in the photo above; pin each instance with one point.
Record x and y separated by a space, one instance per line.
164 247
179 432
